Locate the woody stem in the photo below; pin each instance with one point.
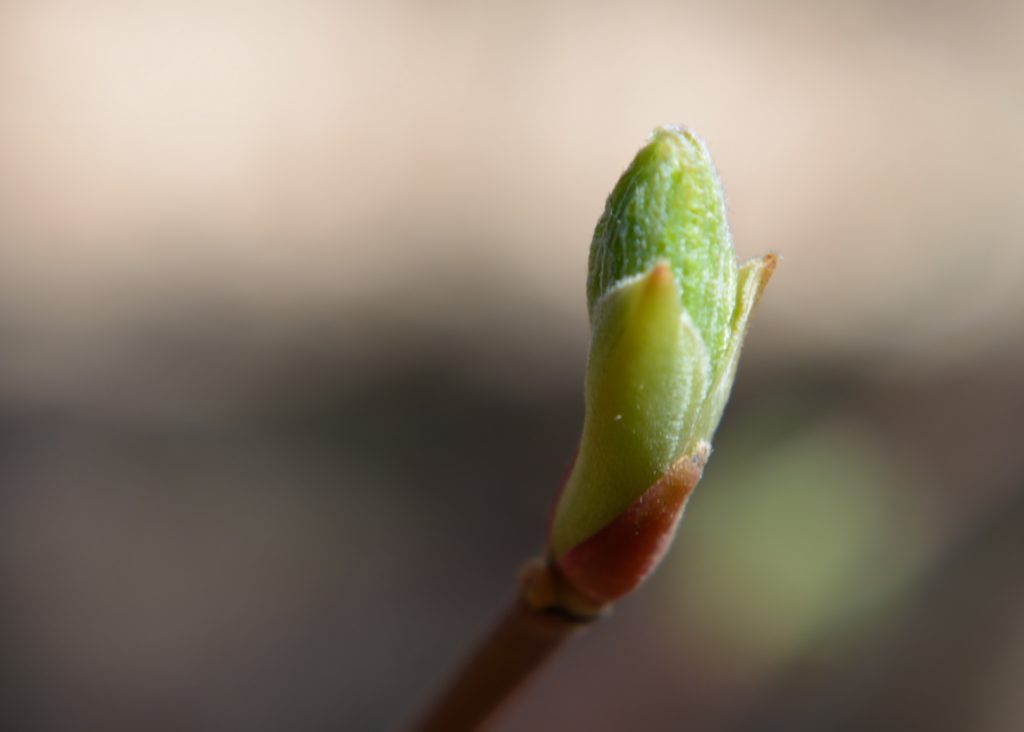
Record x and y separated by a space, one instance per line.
529 633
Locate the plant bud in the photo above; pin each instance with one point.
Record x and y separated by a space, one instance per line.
668 313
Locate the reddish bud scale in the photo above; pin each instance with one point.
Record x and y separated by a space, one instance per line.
619 557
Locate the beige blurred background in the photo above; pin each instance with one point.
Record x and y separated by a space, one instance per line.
292 329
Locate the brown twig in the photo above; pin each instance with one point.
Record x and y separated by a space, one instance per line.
535 627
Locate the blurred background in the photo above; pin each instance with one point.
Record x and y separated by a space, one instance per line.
292 335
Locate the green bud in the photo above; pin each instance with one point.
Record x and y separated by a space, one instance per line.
668 311
669 206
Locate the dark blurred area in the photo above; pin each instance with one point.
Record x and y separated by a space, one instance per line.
292 334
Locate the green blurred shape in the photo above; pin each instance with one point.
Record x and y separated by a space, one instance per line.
811 534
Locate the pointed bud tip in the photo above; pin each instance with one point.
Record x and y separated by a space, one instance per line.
659 280
661 272
769 262
675 134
